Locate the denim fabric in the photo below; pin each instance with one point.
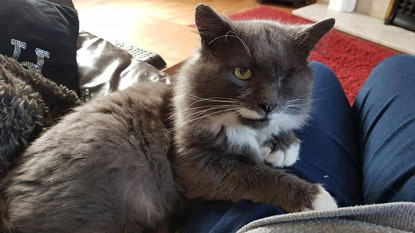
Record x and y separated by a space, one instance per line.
385 113
364 154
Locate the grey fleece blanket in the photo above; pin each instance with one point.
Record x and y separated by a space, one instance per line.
390 217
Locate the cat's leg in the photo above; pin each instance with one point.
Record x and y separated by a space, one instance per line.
281 150
218 177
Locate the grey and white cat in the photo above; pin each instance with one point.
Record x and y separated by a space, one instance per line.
119 164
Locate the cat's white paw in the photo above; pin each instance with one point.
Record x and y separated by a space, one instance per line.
265 150
285 158
323 201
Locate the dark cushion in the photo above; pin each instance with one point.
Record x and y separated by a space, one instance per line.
42 36
67 3
105 68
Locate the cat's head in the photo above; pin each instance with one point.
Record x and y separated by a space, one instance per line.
247 72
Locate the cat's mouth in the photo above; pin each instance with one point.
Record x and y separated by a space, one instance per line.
263 119
254 122
251 117
251 114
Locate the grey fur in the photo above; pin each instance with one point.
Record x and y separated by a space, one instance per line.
208 163
103 168
282 141
113 166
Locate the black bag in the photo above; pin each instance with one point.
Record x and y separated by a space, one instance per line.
41 36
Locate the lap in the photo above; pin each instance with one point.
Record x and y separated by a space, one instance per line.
329 155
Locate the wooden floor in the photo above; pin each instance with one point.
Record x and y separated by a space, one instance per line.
160 26
178 11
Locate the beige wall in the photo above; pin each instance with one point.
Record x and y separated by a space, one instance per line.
374 8
324 1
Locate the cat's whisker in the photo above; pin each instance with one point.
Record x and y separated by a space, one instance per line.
233 36
297 103
171 116
216 99
209 106
322 89
301 98
213 100
316 100
200 116
236 58
243 42
302 101
227 117
298 100
198 113
294 106
198 119
212 103
247 92
219 101
222 119
211 97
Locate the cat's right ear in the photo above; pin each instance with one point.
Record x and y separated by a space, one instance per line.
210 25
310 36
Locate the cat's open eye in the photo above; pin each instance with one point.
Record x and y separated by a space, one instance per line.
242 73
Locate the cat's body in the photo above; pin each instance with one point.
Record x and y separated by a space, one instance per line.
103 168
109 166
227 128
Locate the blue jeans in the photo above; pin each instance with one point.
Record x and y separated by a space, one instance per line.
361 154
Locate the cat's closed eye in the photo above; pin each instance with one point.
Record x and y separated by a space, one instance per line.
242 73
288 74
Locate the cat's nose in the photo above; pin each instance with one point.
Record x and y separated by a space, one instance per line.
267 107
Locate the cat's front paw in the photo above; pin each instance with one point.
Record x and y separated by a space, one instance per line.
323 201
284 158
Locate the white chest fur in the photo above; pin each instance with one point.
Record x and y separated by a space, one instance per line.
241 136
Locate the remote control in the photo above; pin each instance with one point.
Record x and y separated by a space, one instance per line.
142 55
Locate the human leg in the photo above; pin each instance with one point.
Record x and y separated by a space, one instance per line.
385 112
329 150
329 155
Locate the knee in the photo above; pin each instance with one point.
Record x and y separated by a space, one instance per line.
323 73
402 63
400 58
394 76
315 65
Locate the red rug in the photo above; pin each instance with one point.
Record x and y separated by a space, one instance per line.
351 59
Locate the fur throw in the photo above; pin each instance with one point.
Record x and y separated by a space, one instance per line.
28 103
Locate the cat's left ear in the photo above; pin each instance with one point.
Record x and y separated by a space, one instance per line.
310 36
210 25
